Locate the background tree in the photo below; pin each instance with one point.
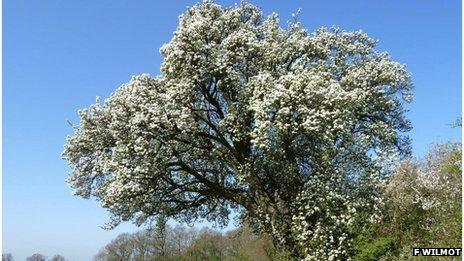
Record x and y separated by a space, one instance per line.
252 117
141 244
121 248
7 257
181 238
424 200
423 207
36 257
58 258
159 236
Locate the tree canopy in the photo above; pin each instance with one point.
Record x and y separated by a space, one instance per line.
291 129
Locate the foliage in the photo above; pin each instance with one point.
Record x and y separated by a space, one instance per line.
370 247
254 117
423 204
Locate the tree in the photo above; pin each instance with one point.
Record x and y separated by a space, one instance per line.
424 199
121 248
7 257
58 258
36 257
251 117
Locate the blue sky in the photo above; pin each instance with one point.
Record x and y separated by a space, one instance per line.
58 55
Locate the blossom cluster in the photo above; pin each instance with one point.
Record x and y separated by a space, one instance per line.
432 184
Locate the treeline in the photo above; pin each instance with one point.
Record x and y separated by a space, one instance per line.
422 208
164 242
34 257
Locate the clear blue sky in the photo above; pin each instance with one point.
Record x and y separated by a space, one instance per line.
58 55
